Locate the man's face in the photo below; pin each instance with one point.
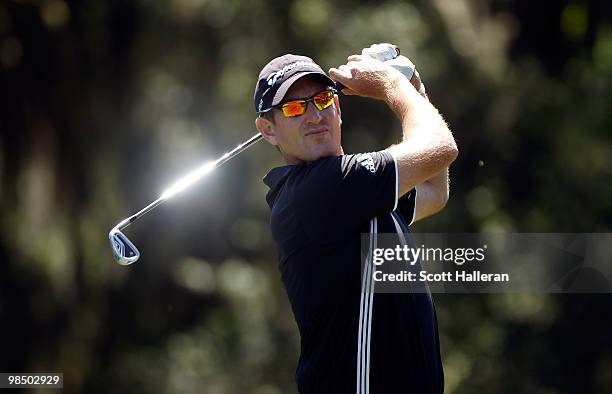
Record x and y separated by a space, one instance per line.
307 137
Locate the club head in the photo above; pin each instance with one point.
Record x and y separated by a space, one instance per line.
124 251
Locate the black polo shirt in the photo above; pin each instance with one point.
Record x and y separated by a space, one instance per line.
349 344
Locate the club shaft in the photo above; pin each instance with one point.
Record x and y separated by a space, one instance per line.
229 155
226 157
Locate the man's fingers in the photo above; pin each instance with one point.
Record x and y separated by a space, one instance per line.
344 71
348 92
340 74
354 58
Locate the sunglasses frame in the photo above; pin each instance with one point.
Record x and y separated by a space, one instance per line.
305 100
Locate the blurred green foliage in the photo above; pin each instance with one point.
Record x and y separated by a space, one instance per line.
106 102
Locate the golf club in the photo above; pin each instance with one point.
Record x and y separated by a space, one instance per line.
124 251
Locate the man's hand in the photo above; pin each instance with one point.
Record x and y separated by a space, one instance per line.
389 55
365 76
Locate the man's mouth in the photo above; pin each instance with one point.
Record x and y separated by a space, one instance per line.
317 132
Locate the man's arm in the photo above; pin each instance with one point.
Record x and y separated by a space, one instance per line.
427 146
432 195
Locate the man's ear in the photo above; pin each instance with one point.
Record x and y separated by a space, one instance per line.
266 128
337 106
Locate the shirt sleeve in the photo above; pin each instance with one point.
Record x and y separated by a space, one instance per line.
340 194
407 206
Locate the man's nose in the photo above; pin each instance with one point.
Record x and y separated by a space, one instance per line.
313 115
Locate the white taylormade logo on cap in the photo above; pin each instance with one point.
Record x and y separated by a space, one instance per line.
279 74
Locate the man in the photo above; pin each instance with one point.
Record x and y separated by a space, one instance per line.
323 200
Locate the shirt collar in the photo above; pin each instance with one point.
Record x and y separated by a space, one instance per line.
275 176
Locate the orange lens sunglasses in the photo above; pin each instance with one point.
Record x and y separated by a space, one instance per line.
298 107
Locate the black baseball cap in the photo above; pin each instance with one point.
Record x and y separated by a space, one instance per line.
279 74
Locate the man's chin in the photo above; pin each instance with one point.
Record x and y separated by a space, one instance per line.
323 153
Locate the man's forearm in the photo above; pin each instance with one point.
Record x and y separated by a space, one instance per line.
414 111
427 146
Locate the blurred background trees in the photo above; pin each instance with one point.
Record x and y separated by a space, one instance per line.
104 103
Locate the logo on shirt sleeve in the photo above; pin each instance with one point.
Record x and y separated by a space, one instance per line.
367 162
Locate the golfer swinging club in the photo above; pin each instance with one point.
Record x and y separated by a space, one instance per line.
321 202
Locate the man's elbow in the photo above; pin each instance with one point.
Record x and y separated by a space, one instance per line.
449 152
444 193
